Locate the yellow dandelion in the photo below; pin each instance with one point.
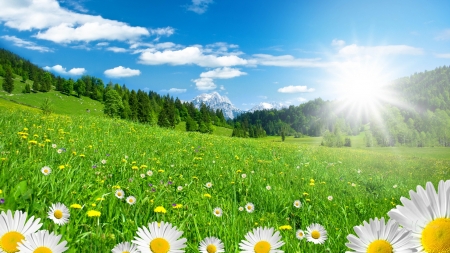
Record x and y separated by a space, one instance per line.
285 227
206 195
160 209
93 213
76 206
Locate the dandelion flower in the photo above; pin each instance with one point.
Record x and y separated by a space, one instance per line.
285 227
300 234
316 233
93 213
46 170
76 206
59 213
211 245
261 240
13 229
208 185
124 247
131 200
218 211
119 194
250 207
160 238
427 216
160 209
297 203
377 236
42 241
206 195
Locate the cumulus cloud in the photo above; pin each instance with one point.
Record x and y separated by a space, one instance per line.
199 6
337 43
355 50
102 44
223 73
60 70
174 90
295 89
61 25
117 49
187 56
25 44
122 72
204 83
286 61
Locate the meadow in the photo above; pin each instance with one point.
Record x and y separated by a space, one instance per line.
91 157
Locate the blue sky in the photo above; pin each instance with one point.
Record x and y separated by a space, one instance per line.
251 51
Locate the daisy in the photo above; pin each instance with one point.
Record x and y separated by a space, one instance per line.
261 240
124 247
42 241
250 207
218 211
377 236
244 175
103 161
241 208
59 213
161 238
300 234
119 194
297 203
179 188
268 188
13 229
208 185
46 170
316 233
131 200
142 175
330 198
427 216
211 245
149 173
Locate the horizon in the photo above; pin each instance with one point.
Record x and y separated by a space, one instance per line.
276 52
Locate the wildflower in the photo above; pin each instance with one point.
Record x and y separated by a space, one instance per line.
297 203
211 245
42 241
353 184
142 175
316 233
119 194
243 175
131 200
125 247
13 229
46 170
76 206
143 166
100 199
134 167
250 207
53 145
149 173
2 201
159 238
330 198
177 206
179 188
93 213
208 185
103 161
300 234
160 209
206 195
59 151
82 155
59 213
395 186
268 188
261 240
61 167
218 211
160 171
285 227
241 208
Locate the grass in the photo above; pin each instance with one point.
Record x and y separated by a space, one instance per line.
98 155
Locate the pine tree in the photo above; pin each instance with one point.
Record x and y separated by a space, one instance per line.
8 83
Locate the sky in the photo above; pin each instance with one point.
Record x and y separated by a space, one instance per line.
278 51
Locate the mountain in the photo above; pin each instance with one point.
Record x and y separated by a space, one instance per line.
215 101
267 106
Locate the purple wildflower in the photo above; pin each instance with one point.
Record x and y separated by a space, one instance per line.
2 201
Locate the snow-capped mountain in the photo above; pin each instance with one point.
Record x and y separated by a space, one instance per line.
267 106
215 101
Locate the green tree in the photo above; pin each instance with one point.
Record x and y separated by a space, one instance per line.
46 106
68 86
46 82
80 87
113 104
8 83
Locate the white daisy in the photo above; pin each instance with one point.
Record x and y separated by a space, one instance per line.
103 161
427 216
377 236
330 198
211 245
297 203
119 193
59 213
46 170
218 211
241 208
261 240
125 247
131 200
300 234
179 188
53 145
244 175
268 188
208 185
316 233
142 175
161 238
149 173
250 207
42 241
13 229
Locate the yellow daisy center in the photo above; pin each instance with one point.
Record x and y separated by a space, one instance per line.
315 234
211 248
126 252
119 194
262 247
159 245
45 170
300 233
9 241
42 249
436 236
131 200
249 207
58 214
380 246
217 212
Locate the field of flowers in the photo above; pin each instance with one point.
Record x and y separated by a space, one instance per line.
116 177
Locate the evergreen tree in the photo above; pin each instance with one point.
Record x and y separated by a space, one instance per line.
27 88
8 83
134 105
46 82
113 104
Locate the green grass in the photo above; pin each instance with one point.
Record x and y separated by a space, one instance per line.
191 160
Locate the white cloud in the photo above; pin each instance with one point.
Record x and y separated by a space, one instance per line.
223 73
444 35
199 6
61 25
443 56
187 56
26 44
295 89
174 90
102 44
286 61
355 50
204 83
122 72
337 43
301 100
117 49
60 70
